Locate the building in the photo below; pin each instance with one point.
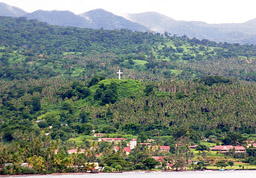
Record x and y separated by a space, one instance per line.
71 151
193 146
227 148
98 134
116 140
158 158
165 148
133 143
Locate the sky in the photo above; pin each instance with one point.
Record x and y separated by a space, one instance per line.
210 11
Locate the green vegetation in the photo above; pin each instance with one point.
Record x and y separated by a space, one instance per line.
58 88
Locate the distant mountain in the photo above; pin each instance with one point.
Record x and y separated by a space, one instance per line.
108 21
244 33
61 18
6 10
233 33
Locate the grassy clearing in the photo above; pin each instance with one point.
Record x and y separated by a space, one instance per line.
176 72
208 144
140 62
237 166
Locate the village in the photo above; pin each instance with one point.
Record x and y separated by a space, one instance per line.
193 156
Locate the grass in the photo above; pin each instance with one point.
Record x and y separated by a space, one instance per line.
126 87
140 62
238 166
208 144
176 72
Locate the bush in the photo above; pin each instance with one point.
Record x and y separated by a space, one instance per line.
107 169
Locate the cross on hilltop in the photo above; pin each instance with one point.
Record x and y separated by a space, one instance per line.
119 74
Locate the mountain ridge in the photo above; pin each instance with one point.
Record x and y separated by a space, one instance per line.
7 10
244 33
109 21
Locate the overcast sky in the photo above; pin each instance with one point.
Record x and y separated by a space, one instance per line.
211 11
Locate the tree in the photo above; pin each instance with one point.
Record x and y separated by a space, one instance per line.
150 163
202 148
231 163
221 164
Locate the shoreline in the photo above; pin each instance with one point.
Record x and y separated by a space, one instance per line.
136 171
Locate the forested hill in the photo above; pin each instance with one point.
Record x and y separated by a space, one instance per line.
30 49
58 85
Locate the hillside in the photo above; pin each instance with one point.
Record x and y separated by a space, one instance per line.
59 86
243 33
6 10
30 49
108 21
61 18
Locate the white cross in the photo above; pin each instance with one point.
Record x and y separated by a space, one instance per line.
119 74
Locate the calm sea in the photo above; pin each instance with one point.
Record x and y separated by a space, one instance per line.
192 174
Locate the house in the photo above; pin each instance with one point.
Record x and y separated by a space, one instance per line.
116 140
133 143
71 151
158 158
165 148
98 134
193 146
227 148
127 150
150 140
146 144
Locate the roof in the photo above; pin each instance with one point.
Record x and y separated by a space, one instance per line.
165 147
75 151
112 138
127 149
158 158
228 147
193 146
145 143
239 148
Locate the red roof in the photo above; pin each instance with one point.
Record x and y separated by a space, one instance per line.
239 148
165 147
127 149
75 151
110 139
145 143
158 158
227 148
193 146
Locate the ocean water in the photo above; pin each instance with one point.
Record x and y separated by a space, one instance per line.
142 174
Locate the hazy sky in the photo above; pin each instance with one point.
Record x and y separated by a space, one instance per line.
211 11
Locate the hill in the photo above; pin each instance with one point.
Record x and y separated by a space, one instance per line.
108 21
61 18
59 86
243 33
233 33
6 10
30 49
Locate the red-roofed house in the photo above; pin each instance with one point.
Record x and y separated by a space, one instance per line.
165 148
227 148
127 150
193 146
158 158
116 140
239 149
75 151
